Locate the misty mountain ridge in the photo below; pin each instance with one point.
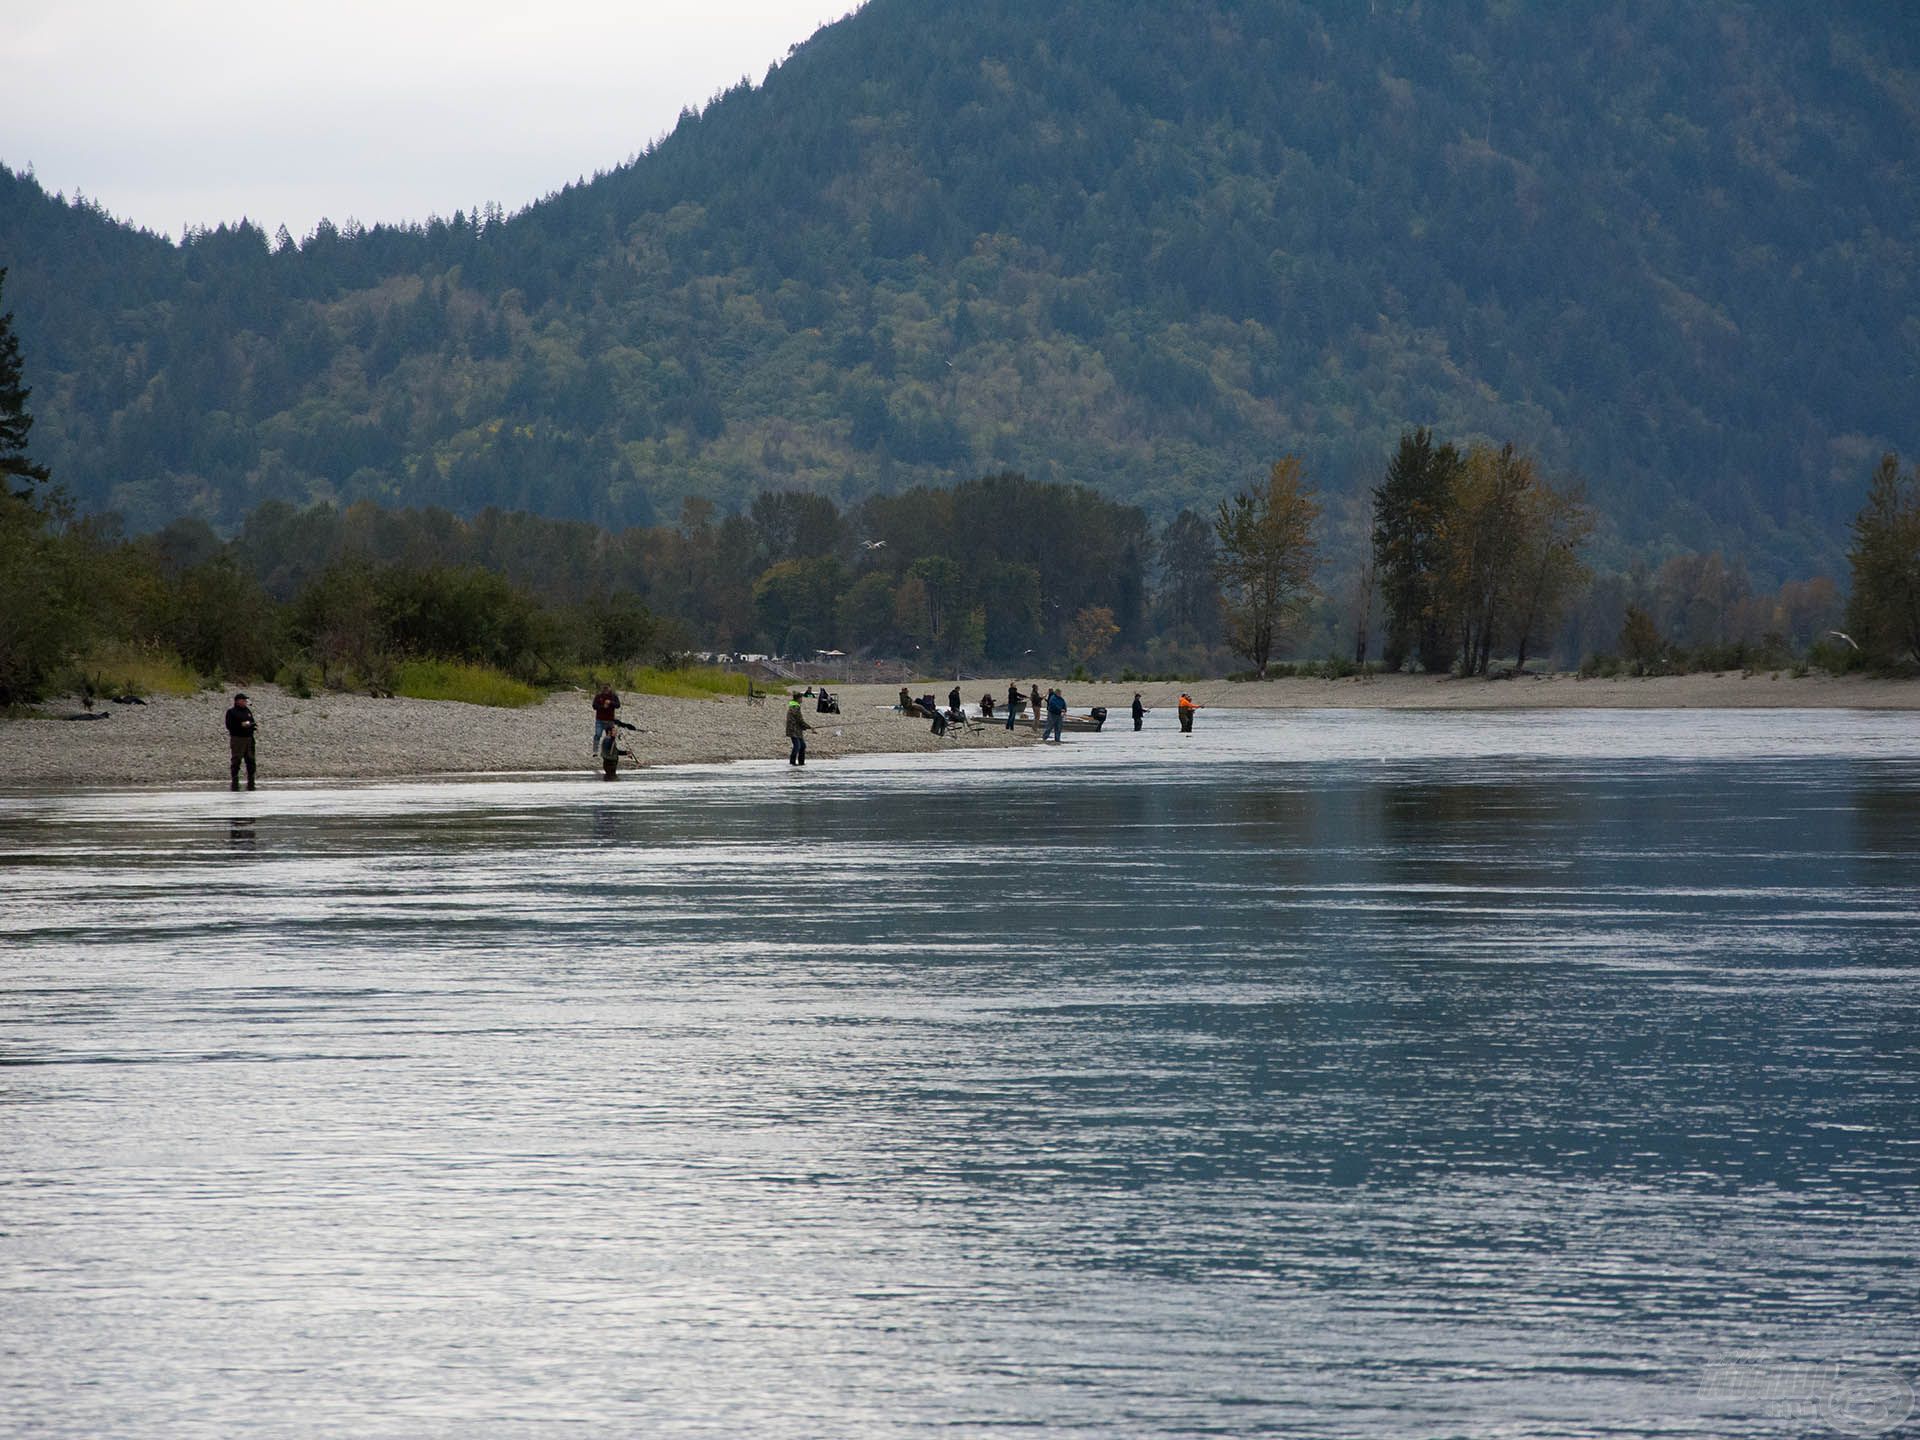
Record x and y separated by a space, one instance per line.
1670 248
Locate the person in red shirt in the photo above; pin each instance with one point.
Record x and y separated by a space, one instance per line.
606 711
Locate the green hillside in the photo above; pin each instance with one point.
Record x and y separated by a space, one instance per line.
1670 247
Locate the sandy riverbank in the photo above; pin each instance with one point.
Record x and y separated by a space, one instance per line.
355 737
173 740
1730 690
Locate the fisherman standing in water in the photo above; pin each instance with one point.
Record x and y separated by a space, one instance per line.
240 728
1139 710
1056 716
797 728
1187 707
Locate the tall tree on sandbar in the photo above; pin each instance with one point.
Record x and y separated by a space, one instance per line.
1265 564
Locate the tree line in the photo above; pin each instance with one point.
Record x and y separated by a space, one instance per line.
1472 555
1474 561
998 572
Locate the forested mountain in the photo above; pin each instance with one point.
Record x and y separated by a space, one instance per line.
1667 245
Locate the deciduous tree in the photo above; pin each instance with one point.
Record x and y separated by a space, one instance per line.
1548 572
1484 520
1640 643
1266 559
1090 634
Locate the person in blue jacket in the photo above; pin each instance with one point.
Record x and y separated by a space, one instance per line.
1056 715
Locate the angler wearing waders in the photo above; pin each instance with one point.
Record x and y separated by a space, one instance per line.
797 728
240 728
611 751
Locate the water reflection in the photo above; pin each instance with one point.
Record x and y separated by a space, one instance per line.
1248 1090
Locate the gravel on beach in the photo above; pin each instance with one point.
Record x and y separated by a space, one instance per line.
176 740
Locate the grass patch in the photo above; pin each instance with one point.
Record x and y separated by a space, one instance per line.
116 669
454 680
684 682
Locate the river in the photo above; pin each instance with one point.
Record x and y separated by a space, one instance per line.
1384 1074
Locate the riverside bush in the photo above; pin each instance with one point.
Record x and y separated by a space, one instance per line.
115 668
464 681
682 682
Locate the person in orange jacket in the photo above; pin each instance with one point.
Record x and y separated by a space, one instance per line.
1187 707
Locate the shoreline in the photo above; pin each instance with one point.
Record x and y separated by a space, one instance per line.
179 740
1560 690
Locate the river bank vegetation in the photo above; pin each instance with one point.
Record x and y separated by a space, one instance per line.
1477 575
1472 555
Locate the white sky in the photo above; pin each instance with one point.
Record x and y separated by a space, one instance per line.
171 112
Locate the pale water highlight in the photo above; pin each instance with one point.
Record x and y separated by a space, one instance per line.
1375 1074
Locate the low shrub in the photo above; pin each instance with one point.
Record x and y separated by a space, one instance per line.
296 677
1833 656
119 669
684 682
458 680
1600 667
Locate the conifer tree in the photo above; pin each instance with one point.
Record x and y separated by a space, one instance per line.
1410 549
15 421
1883 612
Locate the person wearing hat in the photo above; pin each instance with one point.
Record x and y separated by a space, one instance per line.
1187 707
797 728
240 728
1139 710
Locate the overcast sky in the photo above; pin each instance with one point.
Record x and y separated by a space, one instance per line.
176 112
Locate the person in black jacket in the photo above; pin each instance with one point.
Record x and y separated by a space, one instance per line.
240 728
1139 710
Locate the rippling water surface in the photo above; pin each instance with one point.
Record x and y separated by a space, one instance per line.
1341 1074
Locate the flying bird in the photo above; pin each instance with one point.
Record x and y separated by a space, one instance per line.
1842 635
873 544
